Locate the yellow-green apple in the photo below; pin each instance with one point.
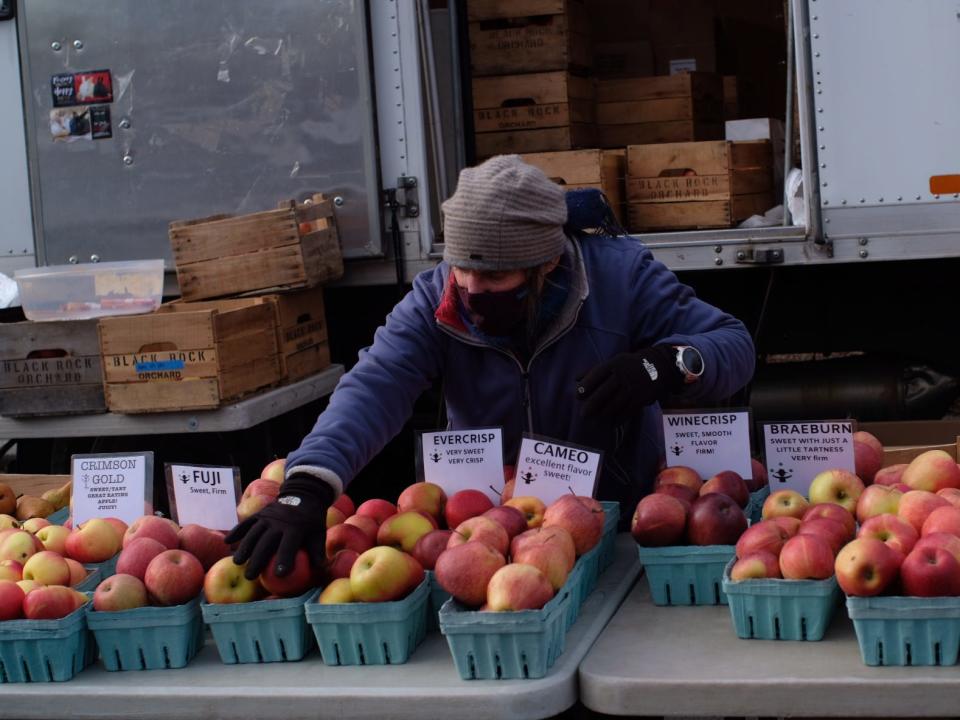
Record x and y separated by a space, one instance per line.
404 529
758 476
49 603
11 570
836 486
518 587
784 503
8 499
680 492
335 516
252 505
659 520
830 530
730 484
297 582
79 598
832 511
789 524
28 586
898 534
377 509
556 536
877 500
365 523
943 519
382 574
93 542
464 505
755 566
336 592
890 475
916 506
509 518
932 471
9 521
261 486
569 513
33 525
226 583
930 572
341 564
151 526
204 544
19 545
347 537
509 487
345 505
423 496
867 566
481 529
137 554
47 568
868 455
54 538
119 592
951 495
11 600
765 536
464 571
77 571
531 507
806 557
715 519
120 526
679 475
173 577
429 547
548 559
274 470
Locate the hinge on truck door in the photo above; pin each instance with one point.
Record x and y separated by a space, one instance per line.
403 197
759 256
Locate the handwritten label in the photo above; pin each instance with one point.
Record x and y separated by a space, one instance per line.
116 485
464 460
797 452
548 469
206 495
709 442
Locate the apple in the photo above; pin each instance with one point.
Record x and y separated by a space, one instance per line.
345 505
715 519
337 592
836 486
944 541
226 583
481 529
121 527
120 592
382 574
33 525
509 487
930 572
867 566
584 525
932 471
784 503
347 537
11 600
365 523
830 530
556 537
789 524
951 495
79 598
173 577
161 530
335 516
250 506
518 587
137 554
730 484
404 529
11 570
274 470
878 500
341 564
806 557
758 478
680 492
891 530
943 519
8 500
549 559
755 566
659 520
679 475
54 538
8 522
93 542
429 547
916 506
465 570
423 496
47 568
464 505
868 455
49 603
509 518
204 544
19 545
297 582
377 509
831 511
531 507
765 536
261 486
77 571
28 586
889 475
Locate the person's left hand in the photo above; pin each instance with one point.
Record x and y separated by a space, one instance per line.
621 387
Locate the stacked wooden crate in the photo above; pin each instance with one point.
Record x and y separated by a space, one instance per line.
604 170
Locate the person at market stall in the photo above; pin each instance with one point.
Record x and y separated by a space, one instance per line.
532 328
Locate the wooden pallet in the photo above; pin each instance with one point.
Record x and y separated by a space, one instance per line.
294 246
604 170
50 368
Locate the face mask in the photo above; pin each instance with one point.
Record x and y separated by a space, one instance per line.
497 314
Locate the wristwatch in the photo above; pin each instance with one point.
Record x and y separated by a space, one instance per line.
689 362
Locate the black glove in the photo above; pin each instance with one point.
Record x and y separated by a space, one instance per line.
298 519
621 387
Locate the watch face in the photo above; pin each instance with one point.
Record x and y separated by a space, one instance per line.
692 360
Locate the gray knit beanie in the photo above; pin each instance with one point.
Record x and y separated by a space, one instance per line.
504 215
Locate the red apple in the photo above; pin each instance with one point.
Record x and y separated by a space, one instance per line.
429 547
730 484
659 520
464 505
365 523
943 541
836 486
383 574
77 571
680 492
161 530
345 505
867 566
12 570
518 587
898 534
784 503
715 519
932 471
951 495
878 500
584 526
679 475
868 455
341 564
119 592
890 475
830 530
758 477
555 537
250 506
765 536
928 572
274 470
509 518
261 486
755 566
49 603
943 519
377 509
335 516
465 570
173 577
347 537
11 600
481 529
423 496
806 557
916 506
789 524
204 544
137 554
549 558
297 582
831 511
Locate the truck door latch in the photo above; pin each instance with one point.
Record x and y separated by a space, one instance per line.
759 256
403 197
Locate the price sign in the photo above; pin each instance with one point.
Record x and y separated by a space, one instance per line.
709 442
798 451
203 494
116 485
463 460
547 469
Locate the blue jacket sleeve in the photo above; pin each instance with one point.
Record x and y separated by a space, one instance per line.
671 314
373 401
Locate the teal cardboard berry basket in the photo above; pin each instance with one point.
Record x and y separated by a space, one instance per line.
45 650
902 631
686 574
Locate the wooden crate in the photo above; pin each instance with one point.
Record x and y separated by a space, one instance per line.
516 36
698 185
35 485
50 368
604 170
183 357
294 246
532 113
647 110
